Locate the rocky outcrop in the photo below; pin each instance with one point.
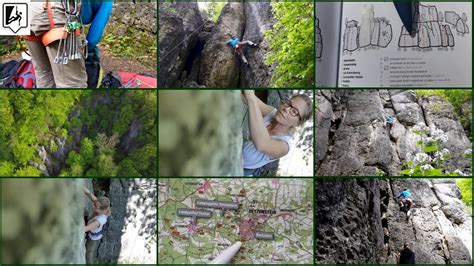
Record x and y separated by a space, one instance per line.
439 230
359 221
131 236
353 138
259 18
42 221
194 54
140 15
349 228
200 133
179 25
220 65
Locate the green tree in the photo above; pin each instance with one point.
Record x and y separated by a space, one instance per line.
106 144
6 168
213 10
291 43
87 150
105 166
27 171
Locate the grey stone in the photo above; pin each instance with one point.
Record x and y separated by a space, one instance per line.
259 18
359 221
220 65
201 133
179 23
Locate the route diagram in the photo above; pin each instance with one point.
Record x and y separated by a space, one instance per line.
371 31
431 31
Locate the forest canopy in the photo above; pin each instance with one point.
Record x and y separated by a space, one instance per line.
78 133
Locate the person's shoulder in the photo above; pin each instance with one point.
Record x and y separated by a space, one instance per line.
102 219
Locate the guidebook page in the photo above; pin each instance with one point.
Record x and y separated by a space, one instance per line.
377 50
328 26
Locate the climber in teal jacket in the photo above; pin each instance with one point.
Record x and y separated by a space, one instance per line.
238 46
404 194
96 13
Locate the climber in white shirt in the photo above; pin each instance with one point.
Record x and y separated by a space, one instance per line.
269 137
97 225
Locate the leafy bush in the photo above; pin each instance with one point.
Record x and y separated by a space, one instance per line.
291 43
455 97
465 185
430 159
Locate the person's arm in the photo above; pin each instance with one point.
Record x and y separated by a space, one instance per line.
264 108
92 197
259 133
95 224
96 13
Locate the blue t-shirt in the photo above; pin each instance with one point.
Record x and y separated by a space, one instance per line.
404 194
389 119
233 42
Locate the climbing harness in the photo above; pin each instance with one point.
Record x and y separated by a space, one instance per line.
102 231
72 41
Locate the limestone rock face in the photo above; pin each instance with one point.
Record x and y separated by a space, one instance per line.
131 236
220 64
359 221
258 19
440 228
201 133
349 228
179 28
193 50
353 138
360 145
43 221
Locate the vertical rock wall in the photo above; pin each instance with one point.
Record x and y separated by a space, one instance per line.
131 236
353 139
258 19
439 230
349 228
179 25
42 221
220 64
200 133
359 221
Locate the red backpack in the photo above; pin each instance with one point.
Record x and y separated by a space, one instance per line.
23 77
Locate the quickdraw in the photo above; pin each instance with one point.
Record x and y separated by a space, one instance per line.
74 45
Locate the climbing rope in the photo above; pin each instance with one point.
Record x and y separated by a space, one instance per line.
179 44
